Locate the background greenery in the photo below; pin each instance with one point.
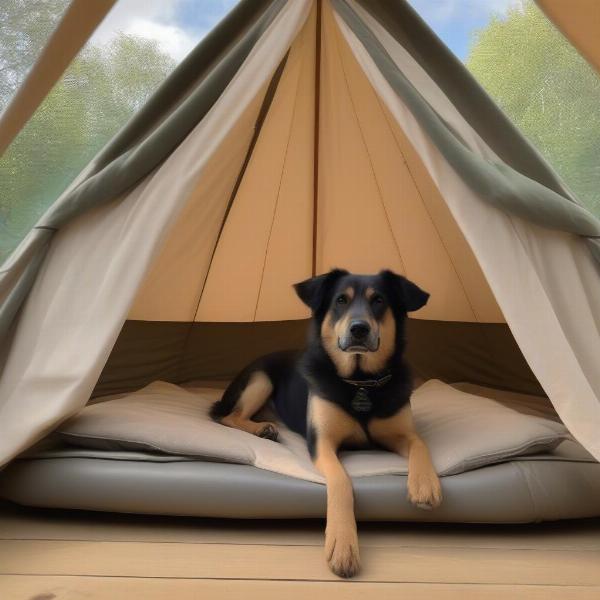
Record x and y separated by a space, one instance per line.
530 70
98 93
548 90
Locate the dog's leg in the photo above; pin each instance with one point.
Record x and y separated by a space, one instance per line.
329 427
251 399
398 434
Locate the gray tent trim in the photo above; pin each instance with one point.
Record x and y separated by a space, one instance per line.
130 167
497 183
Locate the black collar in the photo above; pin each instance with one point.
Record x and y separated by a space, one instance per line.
363 383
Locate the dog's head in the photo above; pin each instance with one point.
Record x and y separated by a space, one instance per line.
357 316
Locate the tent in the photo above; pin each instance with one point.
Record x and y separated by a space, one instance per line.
300 136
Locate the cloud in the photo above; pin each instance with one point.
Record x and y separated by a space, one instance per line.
171 39
164 21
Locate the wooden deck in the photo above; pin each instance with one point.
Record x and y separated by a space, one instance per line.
48 555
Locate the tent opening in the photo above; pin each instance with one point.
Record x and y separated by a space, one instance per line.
325 177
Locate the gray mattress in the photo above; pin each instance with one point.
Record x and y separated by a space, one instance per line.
563 485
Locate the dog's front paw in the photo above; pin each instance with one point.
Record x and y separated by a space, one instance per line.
268 431
424 490
341 551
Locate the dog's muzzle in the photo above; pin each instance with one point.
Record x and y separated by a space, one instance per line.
359 338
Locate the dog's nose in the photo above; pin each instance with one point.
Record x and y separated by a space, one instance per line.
359 329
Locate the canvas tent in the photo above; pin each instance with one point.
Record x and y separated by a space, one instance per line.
297 137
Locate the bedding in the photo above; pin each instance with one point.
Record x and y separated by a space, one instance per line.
519 491
464 431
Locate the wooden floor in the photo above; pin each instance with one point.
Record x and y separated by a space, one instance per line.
47 555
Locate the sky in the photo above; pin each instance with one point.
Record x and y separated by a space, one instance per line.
178 25
455 20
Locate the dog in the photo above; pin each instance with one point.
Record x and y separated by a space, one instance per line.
349 388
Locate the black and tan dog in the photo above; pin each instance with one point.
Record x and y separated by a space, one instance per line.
350 387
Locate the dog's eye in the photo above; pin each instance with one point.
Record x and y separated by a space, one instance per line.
377 299
343 299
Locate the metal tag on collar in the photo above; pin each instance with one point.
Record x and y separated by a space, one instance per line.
361 401
372 383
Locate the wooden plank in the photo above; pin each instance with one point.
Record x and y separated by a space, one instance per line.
225 561
16 587
19 523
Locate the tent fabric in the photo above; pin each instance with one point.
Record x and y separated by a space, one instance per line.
196 229
373 194
103 254
580 23
271 219
273 206
105 182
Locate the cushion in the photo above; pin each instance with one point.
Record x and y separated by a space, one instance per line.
463 431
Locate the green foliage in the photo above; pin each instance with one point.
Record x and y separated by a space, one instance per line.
548 90
25 26
98 93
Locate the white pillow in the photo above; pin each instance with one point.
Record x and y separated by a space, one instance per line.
463 432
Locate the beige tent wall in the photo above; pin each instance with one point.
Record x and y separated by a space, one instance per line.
266 245
376 208
266 242
175 279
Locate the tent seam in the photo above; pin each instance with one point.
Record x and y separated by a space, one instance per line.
477 320
317 136
292 119
387 218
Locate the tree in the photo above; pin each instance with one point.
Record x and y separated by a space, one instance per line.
25 26
547 89
98 93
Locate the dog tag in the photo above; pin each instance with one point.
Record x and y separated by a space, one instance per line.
361 401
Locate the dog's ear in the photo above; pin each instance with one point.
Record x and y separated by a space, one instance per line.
410 294
313 291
